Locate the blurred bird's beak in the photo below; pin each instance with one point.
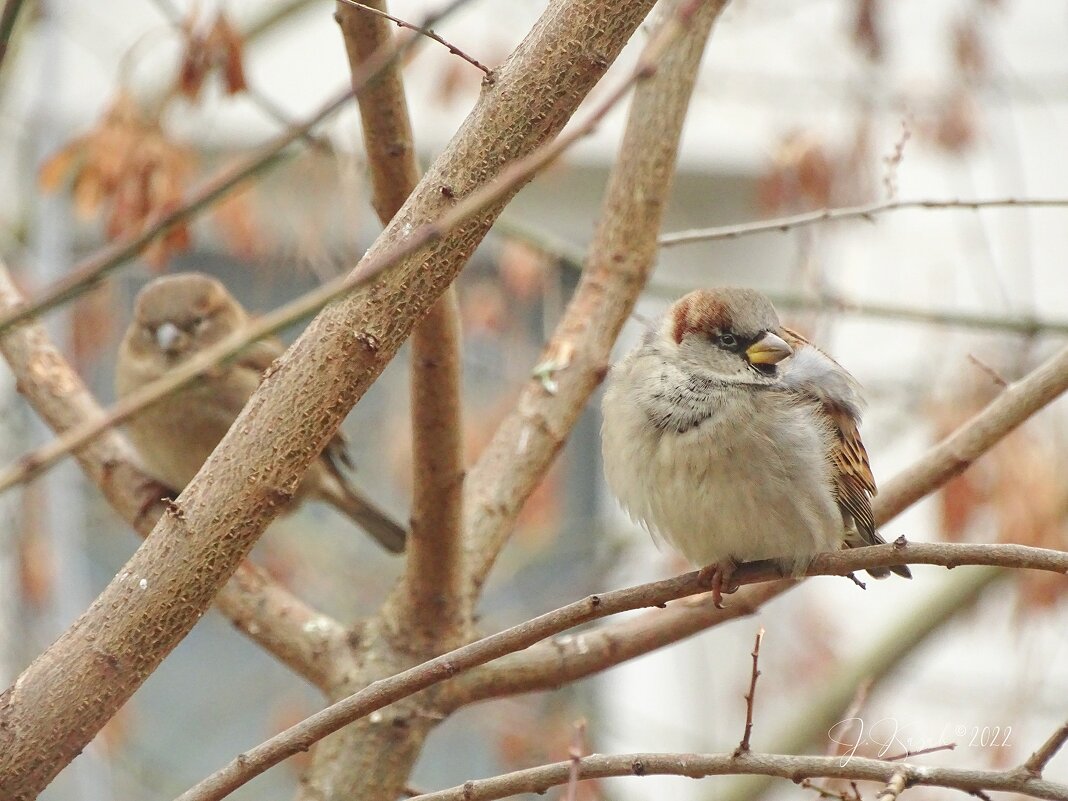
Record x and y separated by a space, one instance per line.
769 349
167 336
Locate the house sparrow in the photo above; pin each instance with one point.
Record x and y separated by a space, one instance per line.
734 439
177 316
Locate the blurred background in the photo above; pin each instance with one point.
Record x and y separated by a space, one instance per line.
799 106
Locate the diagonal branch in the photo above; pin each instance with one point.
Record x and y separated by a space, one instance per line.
104 657
266 612
430 603
792 768
1037 762
619 259
381 693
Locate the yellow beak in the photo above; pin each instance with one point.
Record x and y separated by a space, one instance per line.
769 349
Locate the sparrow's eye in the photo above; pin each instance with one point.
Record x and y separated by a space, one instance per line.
199 323
727 340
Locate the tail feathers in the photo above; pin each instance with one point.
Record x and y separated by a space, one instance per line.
856 539
389 534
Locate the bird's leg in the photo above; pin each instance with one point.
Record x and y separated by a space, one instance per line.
719 576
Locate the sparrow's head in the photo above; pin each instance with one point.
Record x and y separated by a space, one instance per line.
177 315
729 333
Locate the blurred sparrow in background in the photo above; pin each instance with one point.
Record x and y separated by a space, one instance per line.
176 317
734 439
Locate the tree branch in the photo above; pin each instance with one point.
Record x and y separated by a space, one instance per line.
198 543
793 768
425 614
959 450
381 693
1037 762
619 259
865 212
429 606
571 256
549 665
298 635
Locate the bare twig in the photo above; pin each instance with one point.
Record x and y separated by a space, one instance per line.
422 30
865 212
994 375
897 784
1040 758
571 256
381 693
791 768
576 752
750 697
934 749
430 602
297 634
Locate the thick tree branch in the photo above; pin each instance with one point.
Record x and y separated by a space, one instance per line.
792 768
381 693
618 263
430 605
60 701
297 634
425 615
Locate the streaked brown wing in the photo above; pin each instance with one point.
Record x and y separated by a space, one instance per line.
854 482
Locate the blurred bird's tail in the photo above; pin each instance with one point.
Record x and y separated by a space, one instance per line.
370 518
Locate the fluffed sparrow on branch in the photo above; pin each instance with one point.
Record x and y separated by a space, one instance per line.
176 317
734 439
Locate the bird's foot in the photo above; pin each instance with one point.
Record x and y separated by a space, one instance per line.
719 575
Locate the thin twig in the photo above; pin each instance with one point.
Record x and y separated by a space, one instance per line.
994 375
934 749
381 693
743 746
422 30
864 212
791 768
576 752
1041 757
571 257
515 174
